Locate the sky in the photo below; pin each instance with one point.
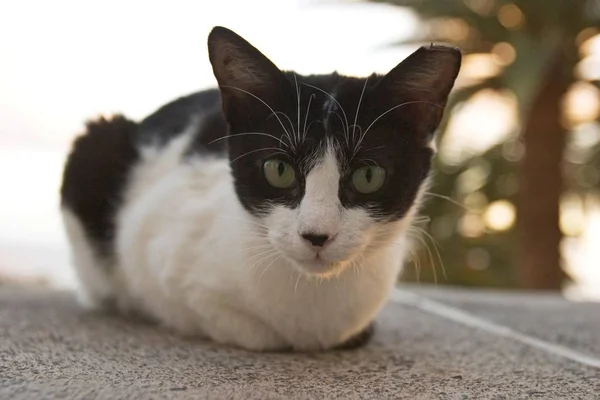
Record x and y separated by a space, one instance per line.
65 61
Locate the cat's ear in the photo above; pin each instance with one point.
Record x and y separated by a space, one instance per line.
428 74
244 74
423 80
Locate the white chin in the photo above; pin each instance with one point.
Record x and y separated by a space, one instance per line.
319 267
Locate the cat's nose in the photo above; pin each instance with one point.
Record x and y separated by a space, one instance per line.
316 239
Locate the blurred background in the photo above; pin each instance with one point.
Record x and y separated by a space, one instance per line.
515 201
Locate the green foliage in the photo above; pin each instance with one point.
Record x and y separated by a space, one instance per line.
450 254
536 31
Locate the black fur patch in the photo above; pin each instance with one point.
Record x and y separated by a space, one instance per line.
386 120
359 340
95 176
174 118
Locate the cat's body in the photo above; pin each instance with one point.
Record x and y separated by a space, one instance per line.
240 225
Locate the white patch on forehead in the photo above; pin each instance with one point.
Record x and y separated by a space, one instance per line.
325 175
328 107
320 210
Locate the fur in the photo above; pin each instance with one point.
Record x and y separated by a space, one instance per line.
173 218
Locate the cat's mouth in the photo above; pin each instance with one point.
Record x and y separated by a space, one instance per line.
314 261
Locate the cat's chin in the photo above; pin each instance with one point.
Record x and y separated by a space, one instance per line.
319 267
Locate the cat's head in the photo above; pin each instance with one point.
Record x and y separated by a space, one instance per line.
331 165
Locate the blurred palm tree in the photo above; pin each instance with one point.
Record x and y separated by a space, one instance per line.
532 49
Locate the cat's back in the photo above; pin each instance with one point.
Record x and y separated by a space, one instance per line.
98 171
115 156
199 112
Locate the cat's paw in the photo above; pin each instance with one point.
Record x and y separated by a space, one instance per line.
243 330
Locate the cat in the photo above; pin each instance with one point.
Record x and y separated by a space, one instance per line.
270 213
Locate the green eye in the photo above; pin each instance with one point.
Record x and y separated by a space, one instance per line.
368 179
279 174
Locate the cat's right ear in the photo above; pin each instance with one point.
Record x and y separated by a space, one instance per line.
422 83
245 76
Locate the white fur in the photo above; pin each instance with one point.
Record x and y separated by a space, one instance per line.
190 256
320 212
94 286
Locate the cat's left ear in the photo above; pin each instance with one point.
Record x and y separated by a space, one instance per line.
424 79
245 76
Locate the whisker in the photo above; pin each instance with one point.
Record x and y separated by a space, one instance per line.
264 258
421 219
371 160
253 235
389 111
249 244
278 151
312 96
414 232
436 245
249 133
243 219
430 254
343 127
423 231
377 147
332 98
267 267
416 260
309 125
270 250
298 97
427 247
354 128
358 107
261 100
258 247
253 251
450 199
292 145
297 281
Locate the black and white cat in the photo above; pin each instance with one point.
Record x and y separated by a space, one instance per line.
269 214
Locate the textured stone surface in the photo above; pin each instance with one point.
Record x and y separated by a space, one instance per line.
546 316
51 349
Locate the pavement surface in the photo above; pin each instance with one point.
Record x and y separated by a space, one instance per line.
430 343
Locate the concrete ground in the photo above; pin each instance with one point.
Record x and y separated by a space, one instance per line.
431 343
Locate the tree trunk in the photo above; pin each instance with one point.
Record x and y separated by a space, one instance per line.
541 183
